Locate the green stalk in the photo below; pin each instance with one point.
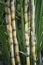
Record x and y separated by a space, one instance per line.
22 31
9 30
22 25
38 23
38 26
18 23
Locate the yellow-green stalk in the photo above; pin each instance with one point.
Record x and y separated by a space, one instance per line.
9 30
12 2
27 37
33 31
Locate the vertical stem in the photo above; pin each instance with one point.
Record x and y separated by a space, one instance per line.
22 23
9 30
27 34
12 2
22 29
33 31
18 22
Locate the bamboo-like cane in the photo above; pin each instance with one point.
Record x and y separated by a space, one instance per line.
12 2
27 37
33 31
9 30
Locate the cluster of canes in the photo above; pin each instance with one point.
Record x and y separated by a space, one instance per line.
29 26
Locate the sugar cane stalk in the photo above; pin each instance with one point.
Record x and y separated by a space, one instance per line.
12 2
27 37
9 30
33 31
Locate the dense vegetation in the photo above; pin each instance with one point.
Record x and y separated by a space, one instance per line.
21 32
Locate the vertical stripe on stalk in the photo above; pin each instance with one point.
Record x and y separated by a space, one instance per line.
9 30
27 36
12 2
33 31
